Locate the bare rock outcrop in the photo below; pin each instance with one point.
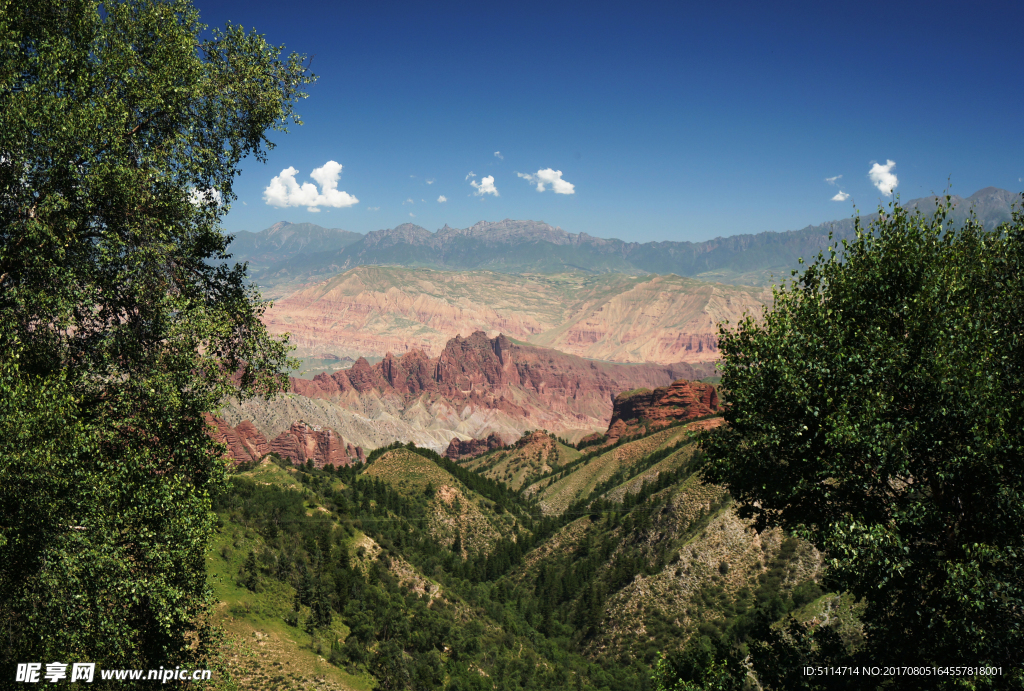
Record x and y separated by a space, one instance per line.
302 442
245 443
643 410
459 449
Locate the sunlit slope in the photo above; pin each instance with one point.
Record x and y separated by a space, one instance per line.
456 513
371 310
534 455
597 465
650 554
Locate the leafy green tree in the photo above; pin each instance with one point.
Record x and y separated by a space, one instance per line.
876 411
122 125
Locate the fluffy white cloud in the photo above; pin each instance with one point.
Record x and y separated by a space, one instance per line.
283 190
840 196
442 199
412 215
430 181
497 154
408 201
832 180
373 208
550 177
883 178
485 186
470 174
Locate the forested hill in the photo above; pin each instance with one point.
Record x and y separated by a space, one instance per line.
413 571
288 254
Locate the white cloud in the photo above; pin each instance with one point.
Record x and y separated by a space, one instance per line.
497 154
283 190
408 201
430 181
412 215
470 174
373 208
840 196
550 177
205 197
485 186
832 180
883 178
442 199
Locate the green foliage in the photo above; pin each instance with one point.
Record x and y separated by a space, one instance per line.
405 638
876 412
120 324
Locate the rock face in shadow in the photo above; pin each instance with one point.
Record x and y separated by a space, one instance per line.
459 449
639 411
245 443
302 442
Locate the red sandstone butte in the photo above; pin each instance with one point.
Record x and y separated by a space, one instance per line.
302 442
458 449
245 443
648 410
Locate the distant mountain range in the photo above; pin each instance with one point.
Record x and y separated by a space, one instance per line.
289 254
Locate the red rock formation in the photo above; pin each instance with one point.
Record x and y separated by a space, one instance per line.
649 410
459 449
302 442
245 443
486 371
529 383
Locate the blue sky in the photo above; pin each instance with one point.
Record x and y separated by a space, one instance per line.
670 122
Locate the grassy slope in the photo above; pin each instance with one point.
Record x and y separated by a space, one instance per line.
514 467
454 509
261 651
638 569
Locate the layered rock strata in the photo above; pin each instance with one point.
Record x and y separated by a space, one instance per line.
370 310
636 412
301 443
245 442
475 387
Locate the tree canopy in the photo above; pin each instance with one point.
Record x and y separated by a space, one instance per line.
122 126
876 411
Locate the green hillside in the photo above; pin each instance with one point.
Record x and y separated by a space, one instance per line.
416 572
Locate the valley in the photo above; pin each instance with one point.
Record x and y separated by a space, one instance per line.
412 570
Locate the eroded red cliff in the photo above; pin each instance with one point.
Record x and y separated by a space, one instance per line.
638 411
245 443
302 442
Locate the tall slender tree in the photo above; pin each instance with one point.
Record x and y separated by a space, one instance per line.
122 127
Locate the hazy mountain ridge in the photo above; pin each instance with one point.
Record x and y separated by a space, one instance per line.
512 246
